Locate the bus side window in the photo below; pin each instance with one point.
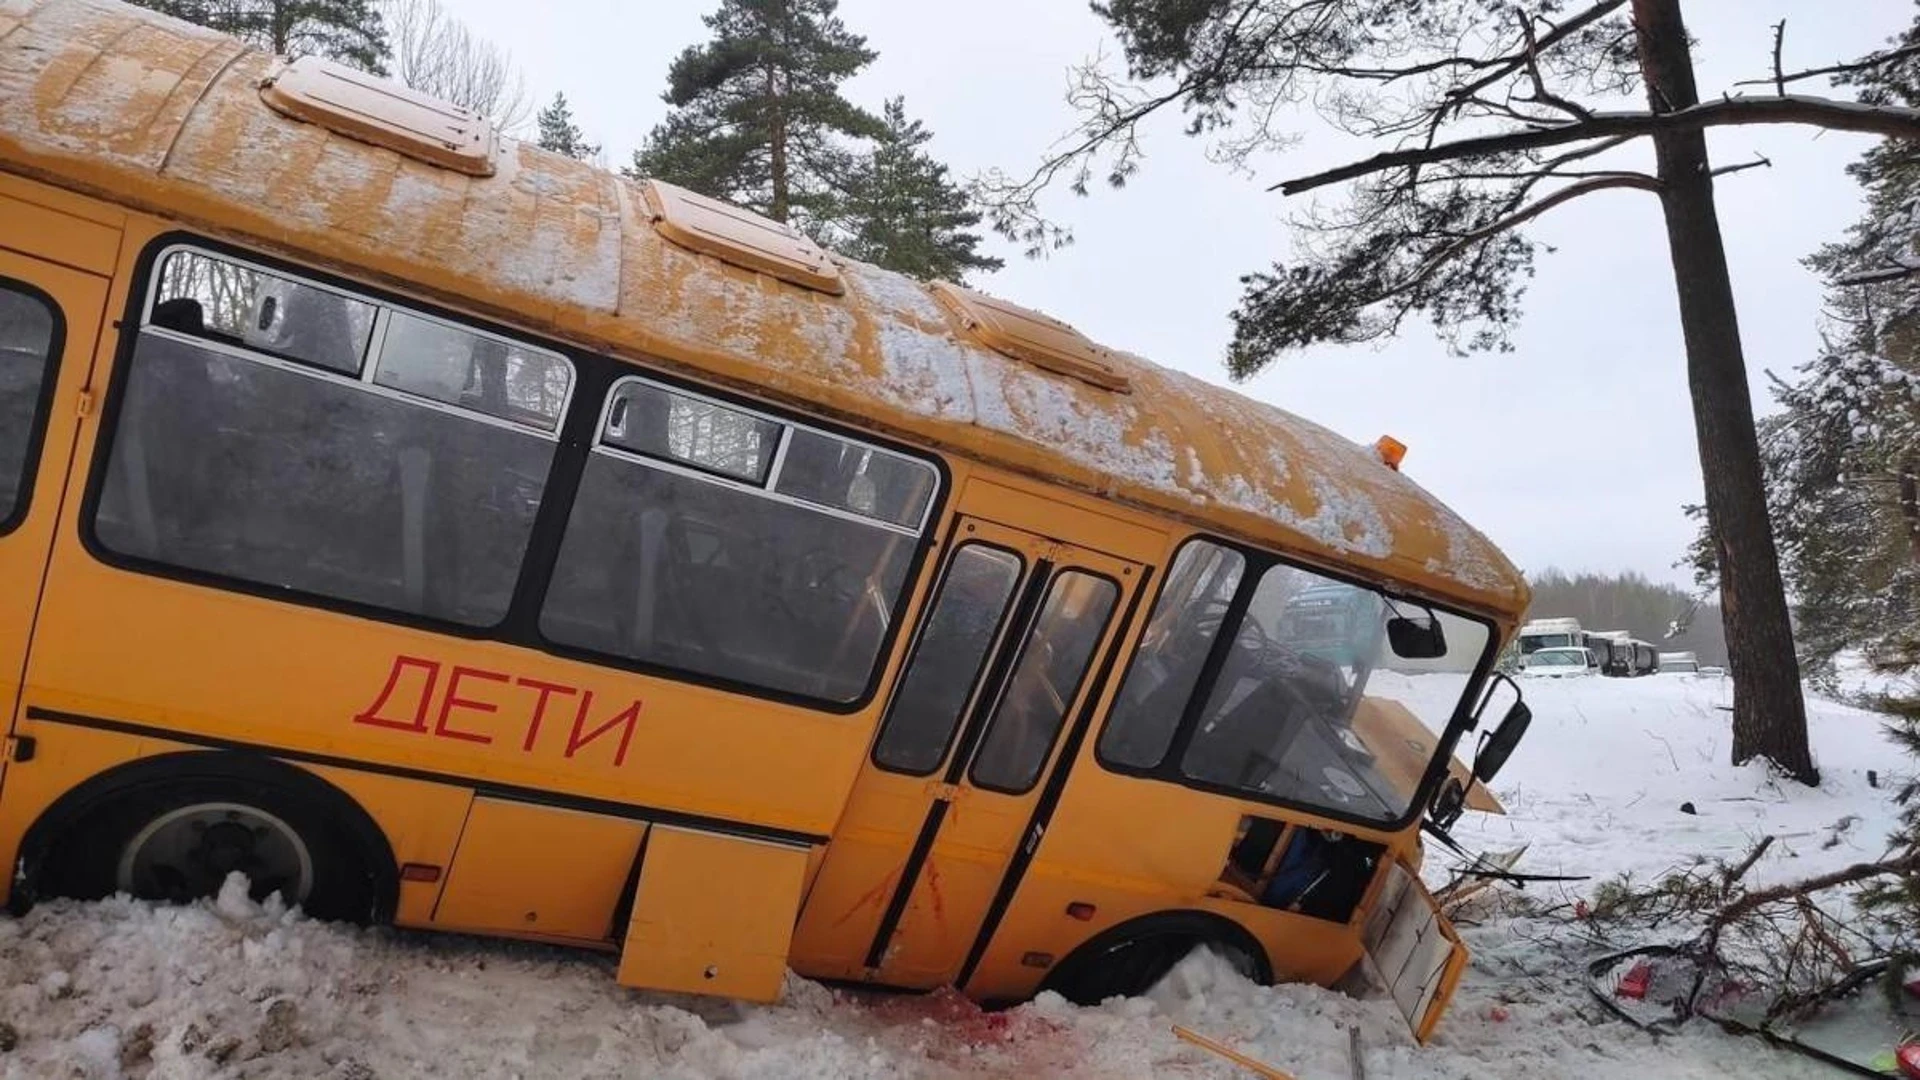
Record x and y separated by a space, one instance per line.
948 659
249 464
26 358
689 548
1053 662
1174 648
457 366
230 301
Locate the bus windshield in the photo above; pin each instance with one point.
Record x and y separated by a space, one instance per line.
1309 705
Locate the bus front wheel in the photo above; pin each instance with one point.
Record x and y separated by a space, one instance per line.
1128 959
173 829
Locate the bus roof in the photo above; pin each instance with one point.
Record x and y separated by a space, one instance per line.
166 117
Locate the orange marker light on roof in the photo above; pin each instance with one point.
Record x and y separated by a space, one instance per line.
1391 451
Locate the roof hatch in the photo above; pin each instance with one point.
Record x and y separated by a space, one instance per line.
372 110
740 237
1025 334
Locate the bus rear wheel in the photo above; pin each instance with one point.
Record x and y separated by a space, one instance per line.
1127 960
174 835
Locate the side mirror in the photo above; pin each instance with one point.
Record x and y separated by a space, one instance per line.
1416 639
1498 746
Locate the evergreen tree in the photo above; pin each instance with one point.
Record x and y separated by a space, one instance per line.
905 214
1842 456
560 134
350 31
758 117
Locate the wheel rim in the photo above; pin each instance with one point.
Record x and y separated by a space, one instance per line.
186 854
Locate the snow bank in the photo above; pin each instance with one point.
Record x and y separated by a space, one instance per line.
1598 785
230 988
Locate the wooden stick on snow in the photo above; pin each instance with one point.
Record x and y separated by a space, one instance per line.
1234 1056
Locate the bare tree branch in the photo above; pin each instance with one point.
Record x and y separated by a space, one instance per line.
1891 121
1540 92
1759 161
1552 37
1874 61
435 53
1779 39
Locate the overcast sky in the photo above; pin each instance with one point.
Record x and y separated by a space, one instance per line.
1576 450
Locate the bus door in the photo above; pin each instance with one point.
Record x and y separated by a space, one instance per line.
49 315
1004 659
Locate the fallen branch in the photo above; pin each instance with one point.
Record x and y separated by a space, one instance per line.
1851 875
1739 870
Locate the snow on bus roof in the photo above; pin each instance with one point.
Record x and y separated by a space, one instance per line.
161 115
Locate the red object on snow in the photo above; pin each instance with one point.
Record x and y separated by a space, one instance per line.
1635 982
1909 1058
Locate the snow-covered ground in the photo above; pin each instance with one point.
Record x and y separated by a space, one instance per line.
234 989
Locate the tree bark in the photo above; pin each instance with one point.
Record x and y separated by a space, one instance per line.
780 199
1910 505
1769 712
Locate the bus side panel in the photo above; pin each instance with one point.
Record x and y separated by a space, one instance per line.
128 648
1177 843
511 854
421 821
63 758
422 824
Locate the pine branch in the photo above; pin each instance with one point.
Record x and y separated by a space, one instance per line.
1888 120
1854 874
1639 181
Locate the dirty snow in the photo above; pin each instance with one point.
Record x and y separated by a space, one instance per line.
231 988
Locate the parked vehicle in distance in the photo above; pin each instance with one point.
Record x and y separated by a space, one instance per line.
1646 661
1615 649
1685 663
1549 634
1557 663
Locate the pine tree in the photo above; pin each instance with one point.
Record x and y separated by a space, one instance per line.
904 212
560 134
758 117
1842 456
350 31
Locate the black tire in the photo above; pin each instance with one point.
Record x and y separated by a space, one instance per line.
1127 960
76 850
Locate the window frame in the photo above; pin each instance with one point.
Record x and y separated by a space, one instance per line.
384 305
767 487
16 515
974 686
595 443
1258 562
595 372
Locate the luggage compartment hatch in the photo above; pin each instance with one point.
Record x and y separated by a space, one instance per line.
714 914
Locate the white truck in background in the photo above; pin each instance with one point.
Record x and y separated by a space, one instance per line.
1550 634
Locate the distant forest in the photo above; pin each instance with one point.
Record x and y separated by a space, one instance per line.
1631 602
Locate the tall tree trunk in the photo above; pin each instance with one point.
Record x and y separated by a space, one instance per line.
776 149
1910 505
1769 713
780 200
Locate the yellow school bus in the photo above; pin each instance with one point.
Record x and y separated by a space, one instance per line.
442 532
